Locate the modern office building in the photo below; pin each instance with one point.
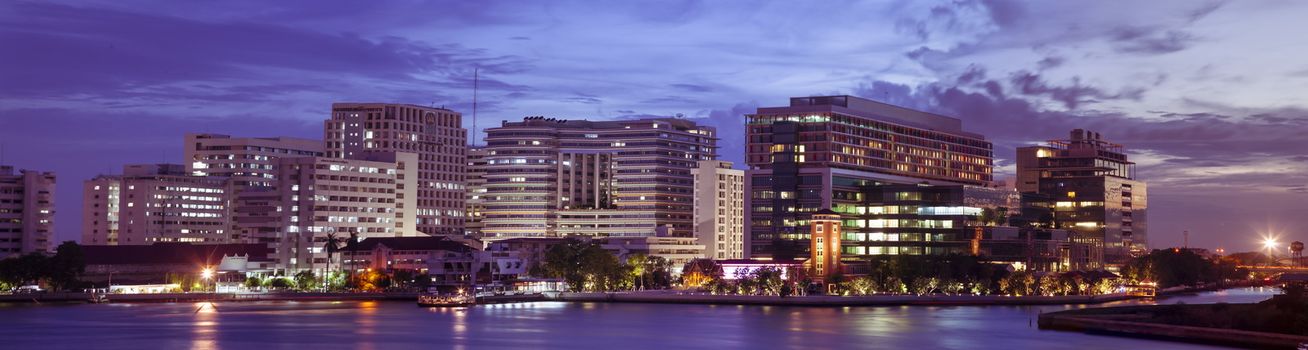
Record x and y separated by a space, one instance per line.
476 182
436 135
154 203
26 211
821 152
324 197
555 178
1091 187
924 219
720 209
248 161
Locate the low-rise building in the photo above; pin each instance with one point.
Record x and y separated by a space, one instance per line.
677 250
173 263
446 261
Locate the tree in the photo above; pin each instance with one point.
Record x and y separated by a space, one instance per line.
306 280
66 265
280 283
253 282
585 266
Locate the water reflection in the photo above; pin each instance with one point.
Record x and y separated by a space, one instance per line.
555 325
204 327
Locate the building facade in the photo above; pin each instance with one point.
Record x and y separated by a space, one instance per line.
720 209
320 198
435 135
248 161
476 182
555 178
156 203
1090 185
825 247
26 211
819 152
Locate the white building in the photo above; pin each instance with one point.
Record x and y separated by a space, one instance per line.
26 211
435 135
720 209
152 203
249 161
321 196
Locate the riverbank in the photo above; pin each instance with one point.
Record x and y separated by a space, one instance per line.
826 300
1132 321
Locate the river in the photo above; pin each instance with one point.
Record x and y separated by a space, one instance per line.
555 325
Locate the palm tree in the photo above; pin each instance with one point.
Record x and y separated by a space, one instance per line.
352 246
332 245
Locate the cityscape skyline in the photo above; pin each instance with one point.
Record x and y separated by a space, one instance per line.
1195 154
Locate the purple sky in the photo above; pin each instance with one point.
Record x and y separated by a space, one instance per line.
1207 96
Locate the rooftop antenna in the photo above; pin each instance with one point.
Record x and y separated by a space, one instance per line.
475 80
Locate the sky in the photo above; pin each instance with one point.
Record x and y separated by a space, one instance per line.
1208 97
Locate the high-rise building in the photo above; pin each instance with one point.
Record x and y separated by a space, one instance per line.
26 211
248 161
819 152
720 209
152 203
436 135
320 197
476 182
1091 186
553 177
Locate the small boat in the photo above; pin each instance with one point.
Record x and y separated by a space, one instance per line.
446 300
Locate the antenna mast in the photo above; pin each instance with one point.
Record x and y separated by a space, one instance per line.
475 80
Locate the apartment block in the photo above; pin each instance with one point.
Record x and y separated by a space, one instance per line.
26 211
248 161
435 135
319 197
720 209
550 177
152 203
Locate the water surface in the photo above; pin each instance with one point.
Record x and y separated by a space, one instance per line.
554 325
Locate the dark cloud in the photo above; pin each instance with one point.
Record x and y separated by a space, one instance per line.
1203 11
65 50
1071 96
1150 40
1050 62
678 100
692 87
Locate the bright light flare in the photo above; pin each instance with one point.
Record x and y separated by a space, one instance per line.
207 273
1270 243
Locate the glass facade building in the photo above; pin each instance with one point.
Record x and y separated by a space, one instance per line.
823 152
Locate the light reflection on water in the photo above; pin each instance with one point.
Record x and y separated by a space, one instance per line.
557 325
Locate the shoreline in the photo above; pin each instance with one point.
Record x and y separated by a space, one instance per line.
653 297
1107 324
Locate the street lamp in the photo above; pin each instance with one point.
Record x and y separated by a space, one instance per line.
207 274
1270 244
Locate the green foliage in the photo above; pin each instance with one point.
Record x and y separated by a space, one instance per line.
58 271
253 282
281 283
586 267
1177 267
306 281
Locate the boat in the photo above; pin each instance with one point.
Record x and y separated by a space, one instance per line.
446 300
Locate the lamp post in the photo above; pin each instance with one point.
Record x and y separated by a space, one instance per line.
1270 244
207 274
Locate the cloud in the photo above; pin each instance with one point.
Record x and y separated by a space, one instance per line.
692 87
112 55
1153 41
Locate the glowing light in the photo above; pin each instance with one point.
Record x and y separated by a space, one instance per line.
1270 243
207 273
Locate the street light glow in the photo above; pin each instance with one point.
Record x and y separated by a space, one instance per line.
1270 243
207 273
